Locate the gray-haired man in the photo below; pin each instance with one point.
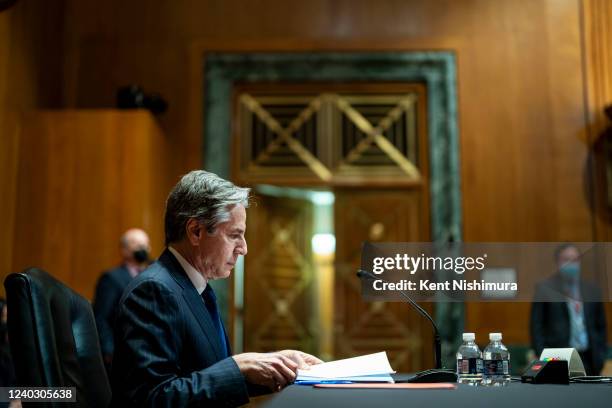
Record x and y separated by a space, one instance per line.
171 346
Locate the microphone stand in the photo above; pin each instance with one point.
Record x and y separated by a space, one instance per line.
438 374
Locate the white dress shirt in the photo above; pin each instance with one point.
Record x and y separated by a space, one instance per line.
195 277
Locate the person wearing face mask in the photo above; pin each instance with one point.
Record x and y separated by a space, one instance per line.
565 315
134 248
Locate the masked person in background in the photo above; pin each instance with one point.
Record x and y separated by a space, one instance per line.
134 249
566 312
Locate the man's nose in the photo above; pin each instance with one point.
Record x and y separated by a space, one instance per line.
243 248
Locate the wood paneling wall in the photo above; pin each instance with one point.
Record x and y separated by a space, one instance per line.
520 83
597 31
523 88
31 55
84 178
597 17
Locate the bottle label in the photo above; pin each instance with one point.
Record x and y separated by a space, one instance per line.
496 367
469 366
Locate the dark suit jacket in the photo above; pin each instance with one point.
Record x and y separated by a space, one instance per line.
109 289
167 352
550 321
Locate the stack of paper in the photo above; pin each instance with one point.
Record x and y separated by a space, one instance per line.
369 368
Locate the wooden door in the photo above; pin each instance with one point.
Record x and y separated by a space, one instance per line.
278 276
368 141
360 327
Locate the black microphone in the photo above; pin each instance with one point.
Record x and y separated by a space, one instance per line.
437 342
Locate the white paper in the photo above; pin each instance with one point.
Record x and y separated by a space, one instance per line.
371 364
574 362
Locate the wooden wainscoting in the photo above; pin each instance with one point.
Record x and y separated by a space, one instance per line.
84 177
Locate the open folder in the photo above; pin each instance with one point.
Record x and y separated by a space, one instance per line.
369 368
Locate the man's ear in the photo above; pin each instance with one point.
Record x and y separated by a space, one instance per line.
194 229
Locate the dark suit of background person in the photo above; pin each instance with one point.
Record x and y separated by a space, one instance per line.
134 249
7 371
551 325
171 347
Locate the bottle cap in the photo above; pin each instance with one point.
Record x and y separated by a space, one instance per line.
495 336
469 336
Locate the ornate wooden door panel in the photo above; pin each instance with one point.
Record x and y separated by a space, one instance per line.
331 134
360 327
368 141
278 275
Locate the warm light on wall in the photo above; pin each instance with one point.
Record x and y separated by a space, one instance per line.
323 249
323 244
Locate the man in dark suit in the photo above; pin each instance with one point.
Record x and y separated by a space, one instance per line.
566 313
172 349
134 248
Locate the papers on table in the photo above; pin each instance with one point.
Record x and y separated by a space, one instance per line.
369 368
400 386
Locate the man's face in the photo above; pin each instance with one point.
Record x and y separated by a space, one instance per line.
569 255
219 251
134 240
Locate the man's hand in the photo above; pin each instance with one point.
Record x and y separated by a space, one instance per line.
272 370
303 360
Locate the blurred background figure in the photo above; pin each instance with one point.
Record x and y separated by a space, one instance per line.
134 249
7 371
560 317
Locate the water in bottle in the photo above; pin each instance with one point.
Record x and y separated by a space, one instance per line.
469 361
496 362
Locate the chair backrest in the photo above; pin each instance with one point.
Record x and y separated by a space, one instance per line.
53 337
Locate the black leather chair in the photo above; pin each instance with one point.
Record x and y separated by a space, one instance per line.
53 338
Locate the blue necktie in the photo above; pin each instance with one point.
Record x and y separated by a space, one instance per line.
210 300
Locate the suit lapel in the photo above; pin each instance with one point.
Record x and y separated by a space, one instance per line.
194 300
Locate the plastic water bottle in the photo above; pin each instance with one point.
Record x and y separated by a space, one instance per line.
469 361
496 362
